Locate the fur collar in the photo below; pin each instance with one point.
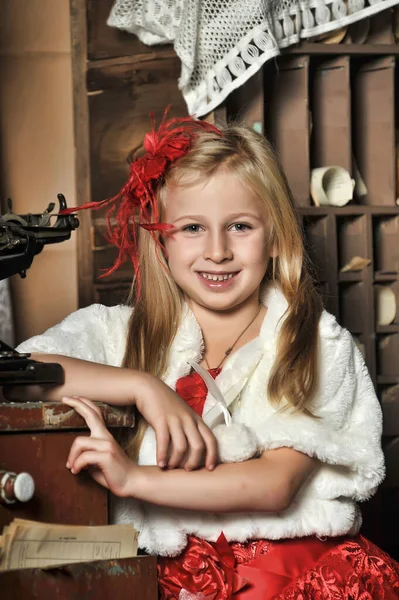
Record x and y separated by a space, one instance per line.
189 344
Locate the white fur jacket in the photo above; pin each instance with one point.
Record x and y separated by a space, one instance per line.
345 438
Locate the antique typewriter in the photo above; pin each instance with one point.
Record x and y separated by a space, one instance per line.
21 238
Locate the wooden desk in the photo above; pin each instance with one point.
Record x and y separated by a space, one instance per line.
36 438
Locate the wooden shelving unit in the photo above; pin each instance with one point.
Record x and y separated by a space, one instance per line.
319 49
320 104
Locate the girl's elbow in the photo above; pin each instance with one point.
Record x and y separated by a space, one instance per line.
278 499
283 500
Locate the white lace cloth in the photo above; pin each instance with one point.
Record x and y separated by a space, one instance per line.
221 43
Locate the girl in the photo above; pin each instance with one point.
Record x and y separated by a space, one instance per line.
225 314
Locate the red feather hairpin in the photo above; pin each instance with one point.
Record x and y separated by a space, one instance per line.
136 204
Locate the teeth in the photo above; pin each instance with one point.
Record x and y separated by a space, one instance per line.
211 277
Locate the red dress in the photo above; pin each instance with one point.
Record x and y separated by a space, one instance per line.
346 568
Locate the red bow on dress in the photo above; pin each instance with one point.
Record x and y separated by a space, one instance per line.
206 571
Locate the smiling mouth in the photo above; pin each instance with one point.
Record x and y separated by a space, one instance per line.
217 277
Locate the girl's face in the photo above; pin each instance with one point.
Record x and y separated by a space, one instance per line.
219 250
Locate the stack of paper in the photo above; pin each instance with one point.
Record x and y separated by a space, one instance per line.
30 544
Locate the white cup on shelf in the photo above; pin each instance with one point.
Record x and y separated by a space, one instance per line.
331 186
385 304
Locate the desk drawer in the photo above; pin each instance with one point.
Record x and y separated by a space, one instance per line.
60 497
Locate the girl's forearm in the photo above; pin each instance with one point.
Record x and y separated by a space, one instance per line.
253 486
101 383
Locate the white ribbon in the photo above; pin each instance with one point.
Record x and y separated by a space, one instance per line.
213 389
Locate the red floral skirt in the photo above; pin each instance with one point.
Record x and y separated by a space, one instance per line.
293 569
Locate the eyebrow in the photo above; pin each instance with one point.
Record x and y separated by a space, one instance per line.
230 217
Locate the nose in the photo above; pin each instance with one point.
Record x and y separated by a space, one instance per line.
218 247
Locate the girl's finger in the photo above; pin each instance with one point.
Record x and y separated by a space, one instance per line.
178 445
91 404
162 441
196 446
84 443
211 457
91 458
93 421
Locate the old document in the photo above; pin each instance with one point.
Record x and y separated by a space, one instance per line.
29 544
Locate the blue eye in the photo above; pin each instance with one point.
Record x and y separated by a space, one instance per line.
192 228
241 226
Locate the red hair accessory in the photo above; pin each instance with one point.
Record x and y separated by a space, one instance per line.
136 203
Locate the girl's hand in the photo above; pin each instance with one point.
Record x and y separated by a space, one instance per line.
180 433
99 453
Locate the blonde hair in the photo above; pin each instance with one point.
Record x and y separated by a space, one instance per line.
155 319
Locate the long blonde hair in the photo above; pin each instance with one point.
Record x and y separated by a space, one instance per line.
156 317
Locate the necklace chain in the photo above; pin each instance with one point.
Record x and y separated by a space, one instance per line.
231 348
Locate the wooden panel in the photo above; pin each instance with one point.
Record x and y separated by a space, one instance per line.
82 154
391 451
317 246
135 577
381 28
246 104
390 408
331 114
105 41
218 116
374 130
352 311
60 497
386 244
287 121
387 354
104 256
120 100
351 238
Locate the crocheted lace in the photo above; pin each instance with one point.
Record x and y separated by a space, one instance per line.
221 43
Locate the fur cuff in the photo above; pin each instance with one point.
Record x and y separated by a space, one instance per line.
236 442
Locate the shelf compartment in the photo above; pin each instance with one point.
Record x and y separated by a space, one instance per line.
374 129
351 276
388 355
352 306
331 114
246 103
382 277
386 246
351 241
391 452
381 28
287 121
360 343
386 303
387 380
329 296
389 398
316 244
